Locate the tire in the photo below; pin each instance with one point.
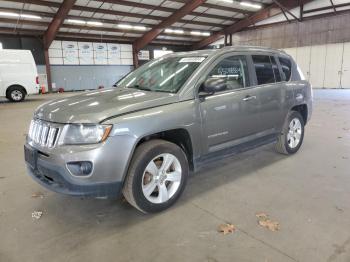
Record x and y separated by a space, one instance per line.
139 182
15 93
290 141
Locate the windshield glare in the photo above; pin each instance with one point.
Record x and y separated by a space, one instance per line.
163 74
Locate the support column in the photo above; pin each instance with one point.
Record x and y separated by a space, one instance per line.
48 70
135 57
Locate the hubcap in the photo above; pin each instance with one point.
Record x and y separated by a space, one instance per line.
294 133
161 178
16 95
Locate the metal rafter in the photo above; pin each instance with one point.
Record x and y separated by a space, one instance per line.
325 8
119 13
157 30
263 14
57 21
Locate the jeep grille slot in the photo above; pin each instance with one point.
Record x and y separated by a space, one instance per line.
43 133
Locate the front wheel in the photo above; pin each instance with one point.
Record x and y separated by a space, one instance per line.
16 94
292 134
157 176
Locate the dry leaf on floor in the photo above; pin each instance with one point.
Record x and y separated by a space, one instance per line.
37 214
226 228
269 224
264 221
37 194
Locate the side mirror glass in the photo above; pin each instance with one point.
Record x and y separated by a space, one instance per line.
213 85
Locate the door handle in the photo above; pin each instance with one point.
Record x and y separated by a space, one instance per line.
247 98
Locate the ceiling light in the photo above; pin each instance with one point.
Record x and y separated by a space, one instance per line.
206 33
74 21
139 27
169 31
124 26
195 33
247 4
19 15
178 31
30 16
94 23
228 1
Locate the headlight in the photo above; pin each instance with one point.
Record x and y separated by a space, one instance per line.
75 134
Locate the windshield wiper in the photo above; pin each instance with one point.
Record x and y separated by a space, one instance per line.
140 87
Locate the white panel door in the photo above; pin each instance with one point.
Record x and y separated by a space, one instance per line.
303 60
345 76
317 65
333 65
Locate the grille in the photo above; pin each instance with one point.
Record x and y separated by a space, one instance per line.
43 133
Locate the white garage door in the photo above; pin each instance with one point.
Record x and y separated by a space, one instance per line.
345 76
333 65
303 60
317 65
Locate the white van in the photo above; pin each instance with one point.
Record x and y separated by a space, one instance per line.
18 74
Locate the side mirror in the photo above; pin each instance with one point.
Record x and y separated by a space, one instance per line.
213 85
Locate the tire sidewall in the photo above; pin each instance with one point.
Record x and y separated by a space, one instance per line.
291 116
140 167
15 88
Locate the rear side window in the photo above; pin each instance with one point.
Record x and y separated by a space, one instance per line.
263 69
276 71
286 68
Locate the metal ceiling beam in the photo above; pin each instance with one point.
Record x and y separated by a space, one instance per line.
163 9
285 10
57 21
335 10
263 14
325 8
157 30
119 13
220 7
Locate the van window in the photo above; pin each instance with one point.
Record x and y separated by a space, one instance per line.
286 68
263 69
275 69
234 69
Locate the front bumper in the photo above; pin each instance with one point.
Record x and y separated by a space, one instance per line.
110 161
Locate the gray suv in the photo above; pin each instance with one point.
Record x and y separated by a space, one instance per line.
165 119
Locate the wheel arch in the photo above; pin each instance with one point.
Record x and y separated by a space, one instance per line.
303 110
179 136
16 85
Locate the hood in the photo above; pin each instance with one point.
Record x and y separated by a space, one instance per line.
96 106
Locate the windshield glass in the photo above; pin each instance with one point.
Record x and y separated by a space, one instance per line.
163 74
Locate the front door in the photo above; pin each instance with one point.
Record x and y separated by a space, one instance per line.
230 115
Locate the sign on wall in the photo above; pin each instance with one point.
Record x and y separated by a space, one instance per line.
87 53
143 55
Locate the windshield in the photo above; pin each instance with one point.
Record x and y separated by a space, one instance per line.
163 74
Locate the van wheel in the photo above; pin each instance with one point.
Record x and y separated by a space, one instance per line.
292 135
157 176
15 93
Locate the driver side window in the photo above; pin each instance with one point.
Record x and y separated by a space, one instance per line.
233 70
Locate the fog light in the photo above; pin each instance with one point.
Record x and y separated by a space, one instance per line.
80 168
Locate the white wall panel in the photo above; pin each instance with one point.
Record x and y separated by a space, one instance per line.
333 65
317 65
292 52
345 76
303 60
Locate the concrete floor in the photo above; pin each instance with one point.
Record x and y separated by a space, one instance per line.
308 193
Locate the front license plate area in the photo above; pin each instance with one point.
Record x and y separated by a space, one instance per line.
30 156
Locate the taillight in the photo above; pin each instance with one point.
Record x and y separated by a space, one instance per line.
37 80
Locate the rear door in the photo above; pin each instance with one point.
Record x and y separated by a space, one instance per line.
270 86
232 114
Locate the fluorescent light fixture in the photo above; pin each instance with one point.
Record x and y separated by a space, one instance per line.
178 31
247 4
30 16
228 1
19 15
75 21
125 26
94 23
200 33
139 27
169 31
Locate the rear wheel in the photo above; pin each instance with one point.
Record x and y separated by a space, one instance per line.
15 93
292 135
157 176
